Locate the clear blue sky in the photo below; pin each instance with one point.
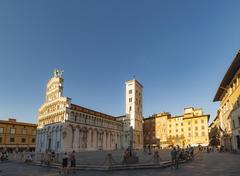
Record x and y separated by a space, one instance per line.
179 51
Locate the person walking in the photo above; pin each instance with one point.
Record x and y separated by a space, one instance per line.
73 160
48 155
174 157
64 163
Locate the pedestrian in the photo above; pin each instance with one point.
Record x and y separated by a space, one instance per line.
192 153
73 160
144 148
149 150
42 159
48 158
64 163
174 157
52 156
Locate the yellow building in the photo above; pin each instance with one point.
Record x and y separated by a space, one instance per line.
228 94
163 130
17 135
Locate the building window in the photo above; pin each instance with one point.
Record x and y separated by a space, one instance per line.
33 140
195 121
233 124
12 139
130 108
202 121
0 140
196 128
170 131
24 131
23 140
130 99
189 123
189 134
203 134
130 91
182 129
12 130
170 126
176 130
176 124
196 134
181 124
189 129
1 130
203 127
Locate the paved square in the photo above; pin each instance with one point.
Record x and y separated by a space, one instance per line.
212 164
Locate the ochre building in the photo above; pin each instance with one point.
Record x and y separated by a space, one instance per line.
228 94
17 135
163 130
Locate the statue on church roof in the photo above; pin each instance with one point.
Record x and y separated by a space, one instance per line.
58 73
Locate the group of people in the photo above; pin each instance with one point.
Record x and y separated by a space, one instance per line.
178 154
65 161
47 157
3 155
70 157
130 156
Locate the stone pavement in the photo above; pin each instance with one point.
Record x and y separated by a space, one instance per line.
212 164
9 168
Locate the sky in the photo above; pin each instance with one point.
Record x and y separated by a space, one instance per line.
178 50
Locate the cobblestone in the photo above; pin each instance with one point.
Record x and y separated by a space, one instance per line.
212 164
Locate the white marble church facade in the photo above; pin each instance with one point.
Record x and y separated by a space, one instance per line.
63 126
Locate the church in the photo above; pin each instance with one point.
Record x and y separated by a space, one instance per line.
64 126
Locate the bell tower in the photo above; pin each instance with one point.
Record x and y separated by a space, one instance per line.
134 112
55 86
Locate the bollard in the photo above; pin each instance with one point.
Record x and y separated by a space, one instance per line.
156 158
108 160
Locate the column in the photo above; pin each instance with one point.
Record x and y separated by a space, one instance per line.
80 140
109 140
104 140
52 138
60 140
45 141
97 140
37 142
76 139
94 139
89 139
73 136
107 136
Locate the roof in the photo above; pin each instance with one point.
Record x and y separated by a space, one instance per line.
232 70
132 80
122 116
17 123
92 112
